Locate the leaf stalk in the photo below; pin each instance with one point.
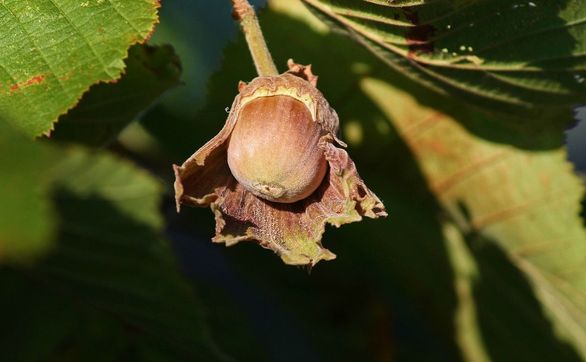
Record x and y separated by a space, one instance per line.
244 13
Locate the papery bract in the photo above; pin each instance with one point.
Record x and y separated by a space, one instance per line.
283 176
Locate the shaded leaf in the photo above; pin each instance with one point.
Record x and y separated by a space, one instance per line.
110 287
60 47
27 220
524 57
132 191
111 258
526 204
107 108
108 262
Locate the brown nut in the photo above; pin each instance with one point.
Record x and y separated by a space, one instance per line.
273 150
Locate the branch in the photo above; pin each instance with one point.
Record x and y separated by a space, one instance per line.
245 15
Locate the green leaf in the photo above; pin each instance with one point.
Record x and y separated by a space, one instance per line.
525 204
132 191
111 262
60 48
31 171
107 108
27 220
525 58
111 270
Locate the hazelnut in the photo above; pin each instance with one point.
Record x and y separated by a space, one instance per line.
273 150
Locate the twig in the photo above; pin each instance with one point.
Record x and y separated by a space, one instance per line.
245 15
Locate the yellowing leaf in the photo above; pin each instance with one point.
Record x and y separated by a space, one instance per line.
525 202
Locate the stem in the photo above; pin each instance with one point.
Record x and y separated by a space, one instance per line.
245 15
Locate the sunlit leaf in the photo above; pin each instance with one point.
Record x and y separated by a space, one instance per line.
60 48
525 203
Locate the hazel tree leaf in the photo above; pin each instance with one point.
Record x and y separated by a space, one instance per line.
107 108
525 204
27 220
108 276
60 48
132 191
32 171
516 58
111 258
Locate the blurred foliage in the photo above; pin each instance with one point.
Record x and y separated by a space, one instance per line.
27 224
482 256
108 287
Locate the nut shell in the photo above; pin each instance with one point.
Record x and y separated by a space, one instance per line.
273 149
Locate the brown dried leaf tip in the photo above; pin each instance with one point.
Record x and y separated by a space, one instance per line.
276 173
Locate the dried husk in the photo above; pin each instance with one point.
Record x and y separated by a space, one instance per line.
292 230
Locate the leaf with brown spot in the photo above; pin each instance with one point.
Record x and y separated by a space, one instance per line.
53 51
